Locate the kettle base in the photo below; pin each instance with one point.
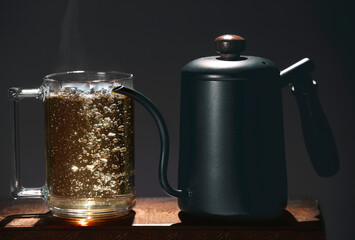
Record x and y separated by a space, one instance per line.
192 218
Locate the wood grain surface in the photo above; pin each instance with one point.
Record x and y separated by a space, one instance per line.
155 218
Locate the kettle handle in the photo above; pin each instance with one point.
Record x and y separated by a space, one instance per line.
163 133
317 133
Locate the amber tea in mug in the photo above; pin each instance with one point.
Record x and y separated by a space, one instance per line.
89 144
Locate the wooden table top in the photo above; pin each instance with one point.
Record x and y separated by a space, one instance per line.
155 218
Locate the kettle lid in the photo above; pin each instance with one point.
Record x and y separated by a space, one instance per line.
230 63
229 46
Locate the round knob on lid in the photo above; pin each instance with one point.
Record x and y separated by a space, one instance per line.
229 46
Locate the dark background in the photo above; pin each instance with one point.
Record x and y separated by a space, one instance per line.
153 40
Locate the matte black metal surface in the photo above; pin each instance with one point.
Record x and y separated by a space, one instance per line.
232 157
215 68
231 145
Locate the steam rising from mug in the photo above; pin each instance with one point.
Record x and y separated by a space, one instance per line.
82 42
71 47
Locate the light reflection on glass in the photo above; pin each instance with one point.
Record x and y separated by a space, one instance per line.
83 222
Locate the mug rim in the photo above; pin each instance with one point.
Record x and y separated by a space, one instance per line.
121 76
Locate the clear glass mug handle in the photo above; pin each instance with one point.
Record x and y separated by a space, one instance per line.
16 188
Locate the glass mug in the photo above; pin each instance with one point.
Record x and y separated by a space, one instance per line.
89 128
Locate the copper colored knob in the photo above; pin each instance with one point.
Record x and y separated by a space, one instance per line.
229 46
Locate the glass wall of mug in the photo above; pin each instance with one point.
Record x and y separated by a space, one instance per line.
89 131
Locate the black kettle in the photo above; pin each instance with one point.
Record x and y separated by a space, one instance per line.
232 157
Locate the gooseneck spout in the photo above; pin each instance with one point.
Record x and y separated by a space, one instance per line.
163 133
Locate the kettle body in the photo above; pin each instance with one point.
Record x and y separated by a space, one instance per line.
232 155
232 158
